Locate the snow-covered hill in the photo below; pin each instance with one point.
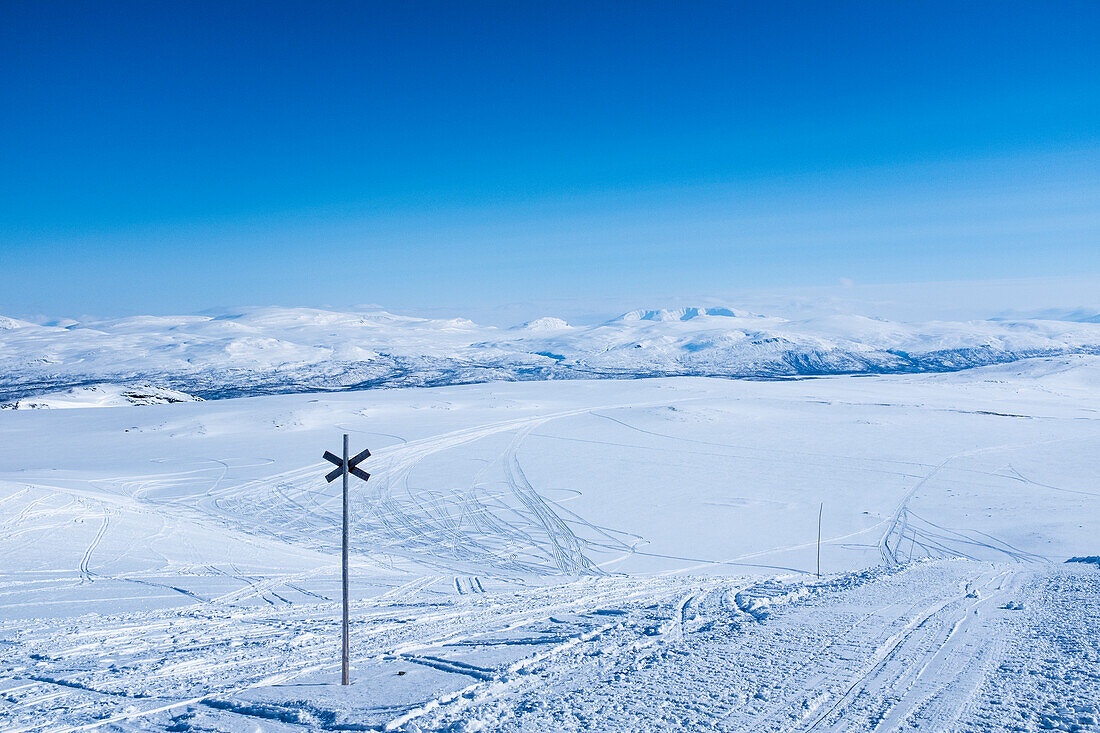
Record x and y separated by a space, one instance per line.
101 395
276 350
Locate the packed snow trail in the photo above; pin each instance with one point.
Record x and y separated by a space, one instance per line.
944 645
916 648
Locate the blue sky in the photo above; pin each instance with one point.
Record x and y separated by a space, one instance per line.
169 157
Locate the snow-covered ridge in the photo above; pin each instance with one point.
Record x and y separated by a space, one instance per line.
270 350
101 395
682 314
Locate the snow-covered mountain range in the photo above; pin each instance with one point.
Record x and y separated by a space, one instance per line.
273 349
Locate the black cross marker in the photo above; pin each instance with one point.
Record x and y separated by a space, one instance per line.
352 463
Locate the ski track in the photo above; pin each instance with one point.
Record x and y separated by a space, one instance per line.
514 531
929 540
85 573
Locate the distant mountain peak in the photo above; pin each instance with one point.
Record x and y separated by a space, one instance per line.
684 314
548 323
7 324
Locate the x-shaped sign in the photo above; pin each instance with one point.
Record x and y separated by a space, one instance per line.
352 463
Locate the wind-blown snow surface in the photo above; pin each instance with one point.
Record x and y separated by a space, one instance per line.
599 555
277 350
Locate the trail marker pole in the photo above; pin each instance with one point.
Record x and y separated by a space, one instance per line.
345 467
820 509
345 657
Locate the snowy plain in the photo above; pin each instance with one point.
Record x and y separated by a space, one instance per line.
562 555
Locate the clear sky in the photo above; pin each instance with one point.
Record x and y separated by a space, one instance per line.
162 157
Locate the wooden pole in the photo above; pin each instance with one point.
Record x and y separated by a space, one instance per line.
820 509
345 661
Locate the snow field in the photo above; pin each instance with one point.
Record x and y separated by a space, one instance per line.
563 555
